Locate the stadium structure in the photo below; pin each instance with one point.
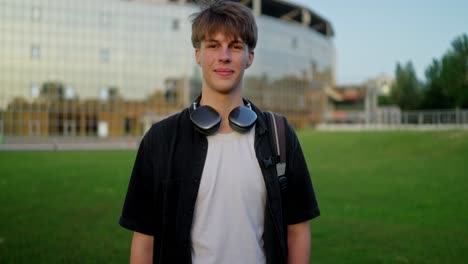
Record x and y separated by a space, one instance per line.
111 68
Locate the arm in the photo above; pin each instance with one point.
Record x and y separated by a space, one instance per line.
142 249
299 243
300 204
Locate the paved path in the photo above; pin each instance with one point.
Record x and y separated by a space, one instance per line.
53 145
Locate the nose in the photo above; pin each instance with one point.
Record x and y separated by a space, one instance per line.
225 55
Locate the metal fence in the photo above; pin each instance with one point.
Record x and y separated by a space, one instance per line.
456 116
392 118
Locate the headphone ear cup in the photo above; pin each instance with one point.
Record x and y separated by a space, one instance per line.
206 120
242 119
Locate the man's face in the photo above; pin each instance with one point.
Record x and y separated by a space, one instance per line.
223 61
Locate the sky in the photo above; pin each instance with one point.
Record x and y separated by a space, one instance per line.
371 36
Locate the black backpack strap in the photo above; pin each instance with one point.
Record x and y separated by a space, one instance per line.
278 140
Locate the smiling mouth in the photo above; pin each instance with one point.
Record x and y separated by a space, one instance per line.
224 72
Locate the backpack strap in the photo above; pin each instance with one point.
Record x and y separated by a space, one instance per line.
278 140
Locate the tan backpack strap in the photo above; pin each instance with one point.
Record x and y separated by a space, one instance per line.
278 139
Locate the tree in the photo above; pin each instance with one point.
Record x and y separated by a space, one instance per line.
455 73
447 79
384 100
406 92
435 96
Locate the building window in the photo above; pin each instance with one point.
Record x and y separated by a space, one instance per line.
69 92
36 13
104 94
104 55
129 125
35 90
69 127
35 127
175 24
35 51
294 43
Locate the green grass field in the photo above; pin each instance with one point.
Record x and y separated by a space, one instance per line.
385 197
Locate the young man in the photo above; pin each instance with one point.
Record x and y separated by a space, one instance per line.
200 190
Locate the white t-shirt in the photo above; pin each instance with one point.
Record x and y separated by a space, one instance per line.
229 211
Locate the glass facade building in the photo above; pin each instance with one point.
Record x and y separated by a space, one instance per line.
113 67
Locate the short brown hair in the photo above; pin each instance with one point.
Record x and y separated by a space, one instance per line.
230 18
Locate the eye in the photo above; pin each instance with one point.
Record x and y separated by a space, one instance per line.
238 47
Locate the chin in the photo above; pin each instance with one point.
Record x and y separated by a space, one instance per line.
224 88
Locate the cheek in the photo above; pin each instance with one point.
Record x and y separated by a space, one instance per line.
208 59
243 61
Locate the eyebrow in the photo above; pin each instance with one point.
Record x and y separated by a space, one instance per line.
237 41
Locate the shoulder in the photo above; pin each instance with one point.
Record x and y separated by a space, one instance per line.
163 130
290 132
291 136
292 142
169 123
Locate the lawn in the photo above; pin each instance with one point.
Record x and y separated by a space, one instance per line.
385 197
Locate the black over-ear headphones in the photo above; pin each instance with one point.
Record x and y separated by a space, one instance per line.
207 120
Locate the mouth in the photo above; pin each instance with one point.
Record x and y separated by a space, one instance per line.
224 72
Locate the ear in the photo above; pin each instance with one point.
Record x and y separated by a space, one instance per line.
197 55
251 58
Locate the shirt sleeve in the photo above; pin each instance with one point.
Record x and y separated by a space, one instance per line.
138 213
301 203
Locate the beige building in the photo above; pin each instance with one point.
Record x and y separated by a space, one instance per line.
113 67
